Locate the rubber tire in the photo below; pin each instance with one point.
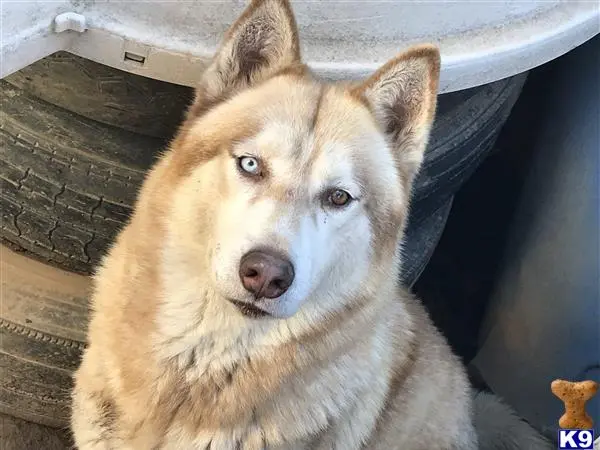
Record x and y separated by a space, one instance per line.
69 182
106 95
42 332
467 125
421 238
44 317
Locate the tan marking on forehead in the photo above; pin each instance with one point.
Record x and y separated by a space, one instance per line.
295 71
204 102
315 118
241 116
297 113
358 96
328 122
341 117
193 147
342 135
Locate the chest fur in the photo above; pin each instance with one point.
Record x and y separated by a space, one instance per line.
269 402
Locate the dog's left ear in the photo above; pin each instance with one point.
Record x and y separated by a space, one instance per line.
402 96
262 42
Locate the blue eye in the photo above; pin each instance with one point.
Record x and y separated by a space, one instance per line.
249 164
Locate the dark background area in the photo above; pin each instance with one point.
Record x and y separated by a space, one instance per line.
457 283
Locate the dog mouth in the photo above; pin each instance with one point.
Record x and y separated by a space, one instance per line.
249 310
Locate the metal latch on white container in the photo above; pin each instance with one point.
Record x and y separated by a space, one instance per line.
70 21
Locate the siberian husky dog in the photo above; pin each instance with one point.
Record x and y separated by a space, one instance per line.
252 302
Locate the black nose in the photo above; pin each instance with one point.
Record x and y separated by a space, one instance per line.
266 273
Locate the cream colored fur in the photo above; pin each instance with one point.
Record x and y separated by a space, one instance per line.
345 359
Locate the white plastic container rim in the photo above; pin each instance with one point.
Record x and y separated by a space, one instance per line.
171 40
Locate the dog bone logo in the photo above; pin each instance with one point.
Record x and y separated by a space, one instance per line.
574 395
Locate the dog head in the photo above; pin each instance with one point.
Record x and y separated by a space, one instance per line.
290 192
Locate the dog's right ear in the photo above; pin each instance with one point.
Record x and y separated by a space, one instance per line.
263 41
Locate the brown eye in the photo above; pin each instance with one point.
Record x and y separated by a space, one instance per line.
339 198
